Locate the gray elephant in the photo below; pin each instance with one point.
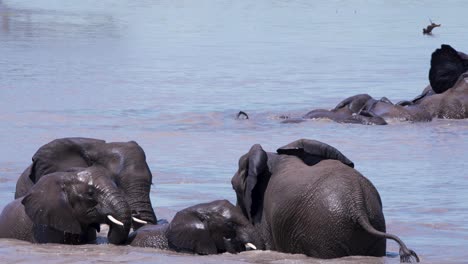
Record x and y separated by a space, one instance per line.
348 111
445 97
448 77
67 207
208 228
125 161
307 198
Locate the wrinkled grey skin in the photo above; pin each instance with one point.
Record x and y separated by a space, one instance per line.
125 161
68 207
208 228
308 199
452 104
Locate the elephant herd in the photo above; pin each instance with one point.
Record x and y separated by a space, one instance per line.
306 197
445 97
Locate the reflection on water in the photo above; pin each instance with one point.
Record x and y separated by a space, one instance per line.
172 75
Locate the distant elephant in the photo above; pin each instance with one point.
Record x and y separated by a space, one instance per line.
388 111
449 80
445 97
347 111
447 65
308 199
126 162
208 228
67 207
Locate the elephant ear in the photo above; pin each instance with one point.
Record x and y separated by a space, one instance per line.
61 154
256 179
47 204
313 151
446 67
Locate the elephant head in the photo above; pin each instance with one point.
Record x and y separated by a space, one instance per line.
257 166
446 67
125 162
212 228
73 202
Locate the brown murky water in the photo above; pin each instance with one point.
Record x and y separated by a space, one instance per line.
172 75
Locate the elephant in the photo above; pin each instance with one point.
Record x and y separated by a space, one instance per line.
207 228
448 77
364 109
126 162
348 111
445 97
308 198
67 207
447 65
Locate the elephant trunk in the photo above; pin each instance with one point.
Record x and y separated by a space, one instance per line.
138 197
117 215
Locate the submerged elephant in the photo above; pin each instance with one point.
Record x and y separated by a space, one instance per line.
307 198
446 97
67 207
125 161
208 228
348 111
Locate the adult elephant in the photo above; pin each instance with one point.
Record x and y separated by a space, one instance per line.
207 228
449 81
125 161
67 207
307 198
445 97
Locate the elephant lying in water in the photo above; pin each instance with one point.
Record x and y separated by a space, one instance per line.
307 198
67 207
125 162
208 228
446 97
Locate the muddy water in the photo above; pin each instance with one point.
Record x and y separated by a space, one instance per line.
172 75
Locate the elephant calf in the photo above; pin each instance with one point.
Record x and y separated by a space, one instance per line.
307 198
208 228
68 207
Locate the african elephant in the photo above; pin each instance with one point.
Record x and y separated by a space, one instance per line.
307 198
67 207
447 65
208 228
445 97
125 161
449 80
348 111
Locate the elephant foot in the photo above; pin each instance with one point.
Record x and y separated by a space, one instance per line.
408 256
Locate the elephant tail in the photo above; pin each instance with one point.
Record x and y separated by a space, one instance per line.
406 255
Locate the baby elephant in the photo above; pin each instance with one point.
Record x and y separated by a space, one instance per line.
208 228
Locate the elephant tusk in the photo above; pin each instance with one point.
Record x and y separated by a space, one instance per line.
115 221
139 220
250 246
